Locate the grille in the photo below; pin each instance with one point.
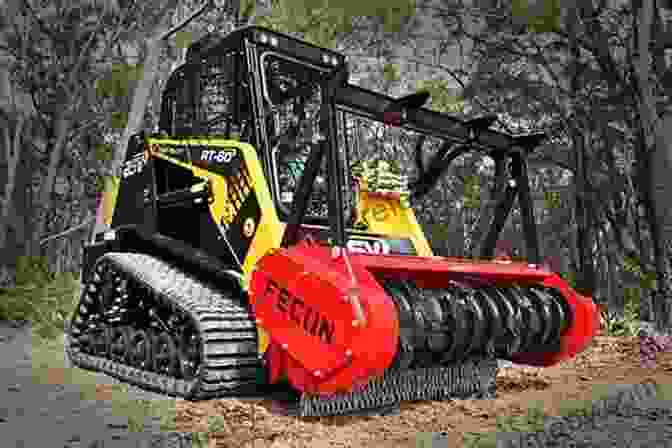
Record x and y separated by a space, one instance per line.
239 187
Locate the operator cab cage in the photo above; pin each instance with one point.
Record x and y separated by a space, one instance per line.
271 90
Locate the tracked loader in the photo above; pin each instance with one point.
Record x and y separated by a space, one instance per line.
264 238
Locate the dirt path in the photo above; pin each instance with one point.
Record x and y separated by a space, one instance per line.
610 362
40 405
25 404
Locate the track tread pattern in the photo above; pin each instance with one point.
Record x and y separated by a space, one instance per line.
230 364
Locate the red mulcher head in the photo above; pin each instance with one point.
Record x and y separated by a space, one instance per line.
332 323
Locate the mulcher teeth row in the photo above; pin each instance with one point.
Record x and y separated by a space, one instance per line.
474 378
441 326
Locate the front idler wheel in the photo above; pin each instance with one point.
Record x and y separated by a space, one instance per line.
164 355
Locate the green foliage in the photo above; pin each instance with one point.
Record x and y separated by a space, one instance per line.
391 73
104 152
439 232
201 440
136 411
532 421
40 297
183 39
106 183
472 192
119 82
119 119
633 265
216 423
628 324
100 184
540 16
247 8
317 24
32 270
443 100
552 200
321 21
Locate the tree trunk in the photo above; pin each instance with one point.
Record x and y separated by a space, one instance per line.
585 278
659 145
140 97
144 88
13 155
45 196
586 267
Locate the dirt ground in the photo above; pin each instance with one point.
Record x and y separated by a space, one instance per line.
256 424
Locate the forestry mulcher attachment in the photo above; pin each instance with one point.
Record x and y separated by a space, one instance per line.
263 239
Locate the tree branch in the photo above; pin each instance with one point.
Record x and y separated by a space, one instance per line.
84 53
67 232
206 5
39 21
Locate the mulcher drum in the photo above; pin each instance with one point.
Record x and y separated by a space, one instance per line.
229 362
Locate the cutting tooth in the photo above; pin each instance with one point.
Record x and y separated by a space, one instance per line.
541 302
474 378
510 313
529 318
558 316
478 325
456 324
492 317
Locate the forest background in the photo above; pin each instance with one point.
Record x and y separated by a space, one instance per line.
594 75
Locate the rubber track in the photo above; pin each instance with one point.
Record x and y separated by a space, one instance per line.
230 364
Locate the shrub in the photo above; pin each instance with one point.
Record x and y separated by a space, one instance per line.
40 297
625 325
